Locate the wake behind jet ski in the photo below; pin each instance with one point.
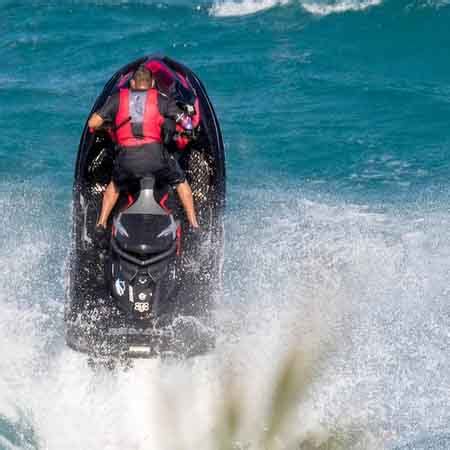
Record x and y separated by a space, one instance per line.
152 290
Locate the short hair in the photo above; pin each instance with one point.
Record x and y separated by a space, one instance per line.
143 76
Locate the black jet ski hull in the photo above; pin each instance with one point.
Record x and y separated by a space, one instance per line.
182 336
183 323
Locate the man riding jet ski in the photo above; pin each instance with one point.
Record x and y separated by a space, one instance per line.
143 120
149 288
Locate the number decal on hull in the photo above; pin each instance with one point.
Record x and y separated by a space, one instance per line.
141 306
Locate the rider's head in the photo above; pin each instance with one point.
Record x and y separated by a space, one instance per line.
142 79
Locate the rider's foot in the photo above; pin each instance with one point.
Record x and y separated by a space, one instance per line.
193 221
101 236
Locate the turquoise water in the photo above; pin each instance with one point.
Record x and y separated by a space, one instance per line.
335 120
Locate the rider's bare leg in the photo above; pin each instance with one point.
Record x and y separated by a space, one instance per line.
109 200
185 194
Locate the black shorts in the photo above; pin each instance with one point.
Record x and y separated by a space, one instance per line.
134 163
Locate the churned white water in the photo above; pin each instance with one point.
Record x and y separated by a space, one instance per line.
223 8
362 292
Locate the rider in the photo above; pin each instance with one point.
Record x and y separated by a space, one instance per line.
144 120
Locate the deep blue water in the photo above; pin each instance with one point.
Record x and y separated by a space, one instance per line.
335 118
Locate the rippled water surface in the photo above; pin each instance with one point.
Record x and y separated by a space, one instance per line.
335 117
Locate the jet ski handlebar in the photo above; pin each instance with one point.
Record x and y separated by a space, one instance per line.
110 126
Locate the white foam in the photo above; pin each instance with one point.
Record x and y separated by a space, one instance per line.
342 6
227 8
373 283
434 3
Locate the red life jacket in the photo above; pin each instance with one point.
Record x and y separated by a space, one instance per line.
149 119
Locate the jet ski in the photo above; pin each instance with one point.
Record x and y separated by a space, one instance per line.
151 291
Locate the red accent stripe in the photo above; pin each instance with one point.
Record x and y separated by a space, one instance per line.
163 201
130 200
179 240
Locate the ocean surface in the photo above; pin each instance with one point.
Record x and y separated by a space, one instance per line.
335 116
